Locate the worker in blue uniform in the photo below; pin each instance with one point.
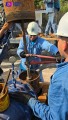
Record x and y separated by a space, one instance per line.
52 8
57 108
35 45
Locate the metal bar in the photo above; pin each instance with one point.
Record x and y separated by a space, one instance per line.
25 49
41 62
40 56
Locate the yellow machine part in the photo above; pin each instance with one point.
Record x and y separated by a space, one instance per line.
4 99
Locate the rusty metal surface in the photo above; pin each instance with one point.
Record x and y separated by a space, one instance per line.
25 16
34 81
19 10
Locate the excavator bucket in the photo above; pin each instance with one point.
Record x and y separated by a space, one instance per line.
16 10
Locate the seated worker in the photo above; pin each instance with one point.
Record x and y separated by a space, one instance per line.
57 108
16 110
35 45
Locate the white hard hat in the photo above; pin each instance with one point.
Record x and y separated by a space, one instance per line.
62 29
33 28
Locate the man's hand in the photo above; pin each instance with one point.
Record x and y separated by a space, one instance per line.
20 97
57 54
6 26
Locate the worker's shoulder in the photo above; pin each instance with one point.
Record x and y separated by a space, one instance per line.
41 40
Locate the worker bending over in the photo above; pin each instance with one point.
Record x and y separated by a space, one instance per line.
35 45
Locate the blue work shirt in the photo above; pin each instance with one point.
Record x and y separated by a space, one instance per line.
35 47
49 5
57 108
57 5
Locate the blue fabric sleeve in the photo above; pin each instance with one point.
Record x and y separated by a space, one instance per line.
57 97
49 47
21 45
41 110
53 49
20 48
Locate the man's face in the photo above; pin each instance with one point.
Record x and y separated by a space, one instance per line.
32 37
61 43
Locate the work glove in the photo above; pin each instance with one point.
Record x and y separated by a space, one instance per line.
57 54
20 97
22 54
59 59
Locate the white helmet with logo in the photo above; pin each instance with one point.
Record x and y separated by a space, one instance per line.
63 26
33 28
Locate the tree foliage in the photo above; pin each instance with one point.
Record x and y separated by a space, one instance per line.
38 3
63 4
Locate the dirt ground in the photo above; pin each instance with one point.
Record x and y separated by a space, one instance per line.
47 73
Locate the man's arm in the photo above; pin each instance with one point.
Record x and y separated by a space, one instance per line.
49 47
40 110
5 27
20 47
